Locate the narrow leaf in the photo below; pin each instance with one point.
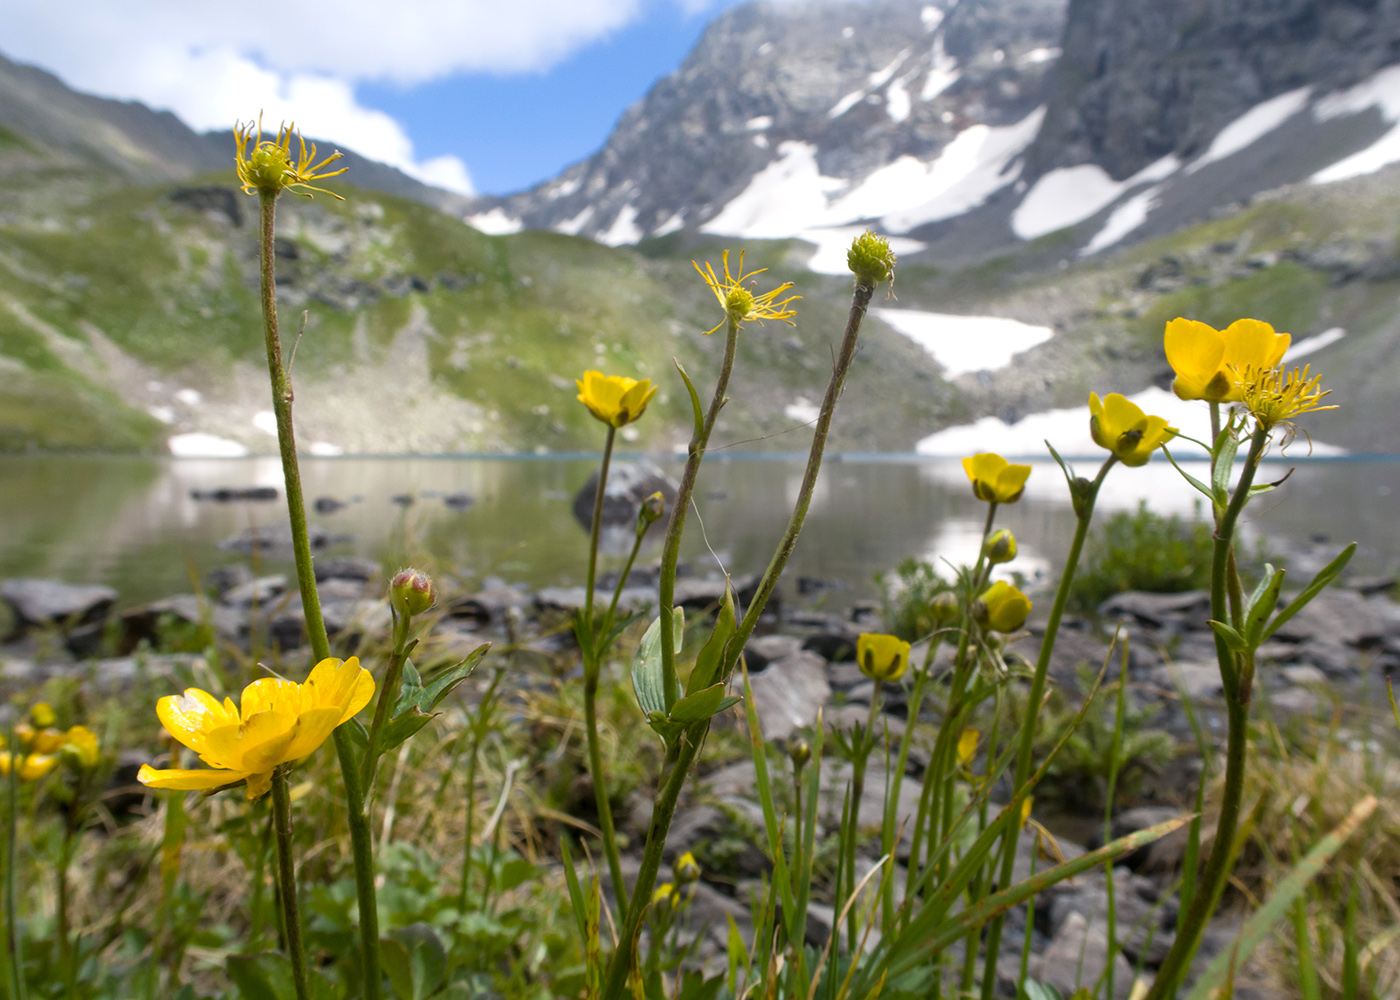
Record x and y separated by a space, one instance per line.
1202 487
698 706
1261 604
1325 576
694 400
1232 638
711 655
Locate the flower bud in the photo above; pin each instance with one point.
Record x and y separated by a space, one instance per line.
664 899
1000 547
967 744
944 608
870 259
652 510
686 869
1001 608
80 747
43 715
800 752
882 657
412 592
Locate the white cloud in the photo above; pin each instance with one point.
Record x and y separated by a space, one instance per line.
214 63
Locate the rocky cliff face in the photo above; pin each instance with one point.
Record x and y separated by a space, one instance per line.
818 95
1141 79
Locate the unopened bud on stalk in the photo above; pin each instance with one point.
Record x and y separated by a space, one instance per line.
870 259
1000 547
686 869
652 510
800 752
412 592
944 609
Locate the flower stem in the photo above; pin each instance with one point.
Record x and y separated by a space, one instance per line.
388 692
1236 679
287 880
597 528
361 843
1085 510
12 934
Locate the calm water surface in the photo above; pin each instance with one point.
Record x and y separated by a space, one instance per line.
131 522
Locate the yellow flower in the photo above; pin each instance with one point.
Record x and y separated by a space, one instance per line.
1003 608
1208 361
81 742
42 741
967 744
280 721
1119 425
665 897
1275 396
614 399
882 657
994 479
268 169
32 766
43 715
742 304
1026 808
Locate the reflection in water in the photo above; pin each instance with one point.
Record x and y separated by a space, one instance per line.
131 522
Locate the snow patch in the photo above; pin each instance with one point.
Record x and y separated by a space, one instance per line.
1123 220
572 227
324 449
846 103
1035 56
759 123
761 141
162 413
897 102
932 18
1381 91
495 222
1067 196
624 228
942 73
205 446
765 48
1252 126
787 195
963 344
670 225
1311 345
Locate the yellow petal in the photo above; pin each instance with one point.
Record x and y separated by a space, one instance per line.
189 717
255 745
1195 351
187 780
984 466
258 785
1010 482
270 694
312 729
338 684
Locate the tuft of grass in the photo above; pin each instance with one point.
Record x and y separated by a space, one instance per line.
906 597
1142 550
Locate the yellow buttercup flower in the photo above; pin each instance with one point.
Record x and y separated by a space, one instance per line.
31 767
994 479
268 168
1121 426
43 715
1208 361
614 399
742 304
279 722
1275 396
81 743
1002 608
882 657
967 744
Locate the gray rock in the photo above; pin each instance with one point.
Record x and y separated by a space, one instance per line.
222 579
259 591
491 604
629 483
1198 681
789 693
1163 854
53 603
1343 617
765 649
348 568
1077 955
146 623
571 599
1158 609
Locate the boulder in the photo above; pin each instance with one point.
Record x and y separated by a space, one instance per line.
1077 955
55 604
789 693
149 622
1157 610
258 591
629 483
348 568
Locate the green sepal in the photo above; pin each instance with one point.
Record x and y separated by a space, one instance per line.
1325 576
1226 446
712 655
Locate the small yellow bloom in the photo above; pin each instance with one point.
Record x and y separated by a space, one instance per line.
280 721
32 766
967 744
614 399
686 868
269 170
1275 396
42 741
994 479
742 304
882 657
1000 547
1119 425
43 715
1026 808
1208 361
81 743
1003 608
665 895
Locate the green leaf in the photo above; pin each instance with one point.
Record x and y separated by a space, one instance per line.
694 401
1226 445
1232 638
1261 922
647 680
445 681
711 655
701 705
669 731
1202 487
268 976
575 890
1069 475
1325 576
1261 604
414 960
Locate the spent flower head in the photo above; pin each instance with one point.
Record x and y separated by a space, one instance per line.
742 304
268 169
1275 395
871 260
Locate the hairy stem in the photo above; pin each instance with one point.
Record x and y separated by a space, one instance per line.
287 881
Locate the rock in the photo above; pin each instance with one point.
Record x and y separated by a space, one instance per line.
351 620
1303 673
348 568
571 599
629 483
211 200
227 494
760 652
328 505
458 501
1294 701
149 623
1343 617
705 594
279 538
1145 921
1163 854
222 579
259 591
1077 955
1192 606
789 693
847 717
837 645
52 603
809 585
491 604
340 589
1198 681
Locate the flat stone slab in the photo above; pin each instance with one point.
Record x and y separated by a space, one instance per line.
55 603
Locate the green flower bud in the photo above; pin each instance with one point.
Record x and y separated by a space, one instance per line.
800 752
870 259
686 869
944 609
1000 547
412 592
652 510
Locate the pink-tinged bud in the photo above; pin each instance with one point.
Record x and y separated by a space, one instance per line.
412 592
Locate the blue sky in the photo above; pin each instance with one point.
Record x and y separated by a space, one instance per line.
515 130
472 95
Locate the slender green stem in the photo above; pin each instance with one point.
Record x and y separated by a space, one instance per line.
1084 508
675 526
597 528
12 934
388 693
611 616
887 829
361 843
1235 679
287 880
